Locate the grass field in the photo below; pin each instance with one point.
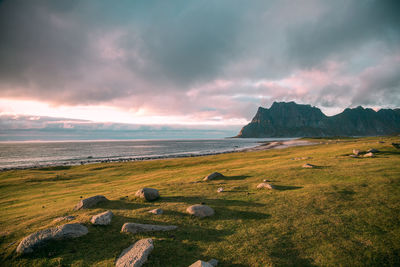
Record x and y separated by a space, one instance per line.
345 212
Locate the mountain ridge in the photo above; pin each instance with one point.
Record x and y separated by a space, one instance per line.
289 119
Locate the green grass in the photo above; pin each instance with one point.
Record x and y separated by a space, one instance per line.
346 212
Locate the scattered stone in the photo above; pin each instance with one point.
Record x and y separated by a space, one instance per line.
200 211
102 218
90 202
265 185
266 180
369 155
156 211
373 150
149 194
139 228
219 190
201 263
356 152
136 254
72 230
64 218
308 165
212 176
381 142
353 156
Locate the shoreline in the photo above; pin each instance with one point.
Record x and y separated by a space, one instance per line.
263 146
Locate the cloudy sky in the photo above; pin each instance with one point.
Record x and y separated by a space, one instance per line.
195 62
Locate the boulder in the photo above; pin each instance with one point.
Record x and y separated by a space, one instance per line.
266 186
308 165
156 211
102 218
212 176
136 254
29 243
149 194
200 210
369 155
90 202
139 228
356 152
64 218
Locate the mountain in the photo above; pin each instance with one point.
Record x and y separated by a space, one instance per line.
288 119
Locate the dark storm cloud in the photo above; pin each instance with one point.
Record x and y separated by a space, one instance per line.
170 56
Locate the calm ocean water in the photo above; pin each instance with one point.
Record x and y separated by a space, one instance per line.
35 154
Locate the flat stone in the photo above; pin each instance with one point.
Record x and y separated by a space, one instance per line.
139 228
308 165
201 263
64 218
200 210
90 202
369 155
29 243
156 211
102 218
266 186
149 194
212 176
135 255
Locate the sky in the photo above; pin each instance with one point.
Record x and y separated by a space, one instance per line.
192 64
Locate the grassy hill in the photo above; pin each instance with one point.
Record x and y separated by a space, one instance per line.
345 212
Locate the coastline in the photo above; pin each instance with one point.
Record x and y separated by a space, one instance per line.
261 147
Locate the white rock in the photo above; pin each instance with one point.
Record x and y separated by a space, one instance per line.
149 194
200 210
29 243
135 255
102 218
265 185
219 190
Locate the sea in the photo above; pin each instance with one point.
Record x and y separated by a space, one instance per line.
34 154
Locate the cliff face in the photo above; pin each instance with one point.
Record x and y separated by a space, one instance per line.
294 120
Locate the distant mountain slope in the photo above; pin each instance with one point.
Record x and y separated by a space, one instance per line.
288 119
